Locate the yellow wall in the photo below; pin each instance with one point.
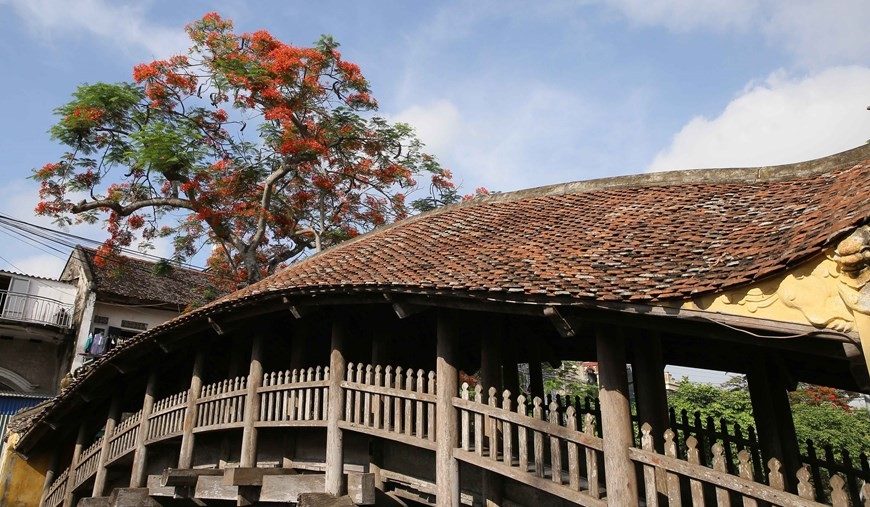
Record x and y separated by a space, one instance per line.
21 481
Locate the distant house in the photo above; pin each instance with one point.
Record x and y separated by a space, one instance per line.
121 297
36 326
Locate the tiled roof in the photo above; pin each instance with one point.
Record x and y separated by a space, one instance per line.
136 280
637 239
644 242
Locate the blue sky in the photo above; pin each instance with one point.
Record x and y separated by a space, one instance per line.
507 94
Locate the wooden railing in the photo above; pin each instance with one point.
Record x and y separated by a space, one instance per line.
167 418
123 439
392 403
854 473
717 486
294 398
57 490
554 455
221 404
88 462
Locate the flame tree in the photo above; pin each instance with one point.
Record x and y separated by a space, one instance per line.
262 149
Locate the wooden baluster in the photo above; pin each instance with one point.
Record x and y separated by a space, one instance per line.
348 400
693 456
851 479
865 491
839 496
397 402
649 472
293 408
367 400
555 448
324 393
464 421
589 422
430 416
309 397
775 479
805 487
224 411
723 498
388 405
318 401
673 480
272 395
421 414
492 424
573 450
538 437
522 437
744 467
478 421
409 405
377 401
507 431
357 396
286 406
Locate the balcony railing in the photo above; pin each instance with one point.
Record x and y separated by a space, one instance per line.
35 309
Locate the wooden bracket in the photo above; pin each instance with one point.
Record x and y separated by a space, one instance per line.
403 309
186 476
297 311
217 327
251 476
562 325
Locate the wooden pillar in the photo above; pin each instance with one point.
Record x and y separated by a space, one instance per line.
50 475
648 369
111 422
137 476
446 421
68 497
248 456
773 419
620 477
185 455
337 372
490 376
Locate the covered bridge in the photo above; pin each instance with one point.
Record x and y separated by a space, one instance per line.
342 373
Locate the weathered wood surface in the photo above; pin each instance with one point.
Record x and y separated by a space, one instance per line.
57 490
294 397
252 476
167 418
744 484
123 440
361 488
186 477
446 431
288 488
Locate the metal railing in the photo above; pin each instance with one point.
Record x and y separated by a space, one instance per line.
36 309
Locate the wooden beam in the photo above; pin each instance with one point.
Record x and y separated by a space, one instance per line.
620 477
446 421
252 476
137 475
248 453
174 477
111 422
402 308
337 370
185 453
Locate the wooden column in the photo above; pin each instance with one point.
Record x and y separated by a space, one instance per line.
772 412
490 376
248 456
50 475
446 421
68 496
620 477
111 422
137 476
185 455
337 371
648 369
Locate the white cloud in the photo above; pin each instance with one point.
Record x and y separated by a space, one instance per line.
436 123
121 25
816 33
682 15
783 119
